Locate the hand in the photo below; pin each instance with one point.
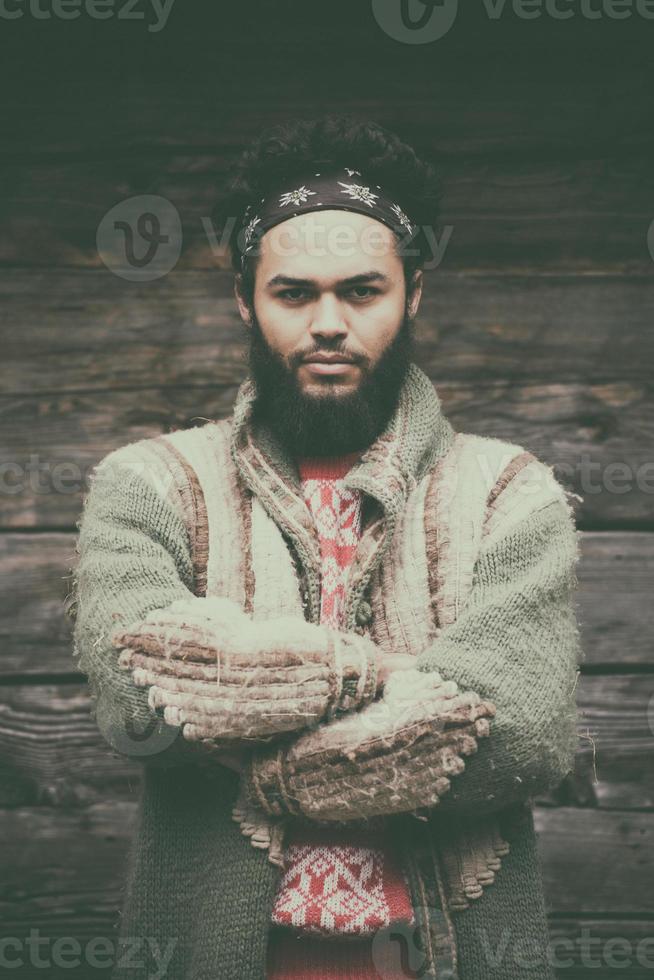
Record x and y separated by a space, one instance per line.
397 754
224 676
389 663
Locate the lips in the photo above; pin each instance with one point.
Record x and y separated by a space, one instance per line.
326 366
318 359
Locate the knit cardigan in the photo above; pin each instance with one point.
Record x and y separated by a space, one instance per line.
469 566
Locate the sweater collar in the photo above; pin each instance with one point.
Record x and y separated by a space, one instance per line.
416 436
414 439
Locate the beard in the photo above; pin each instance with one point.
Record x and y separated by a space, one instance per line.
330 423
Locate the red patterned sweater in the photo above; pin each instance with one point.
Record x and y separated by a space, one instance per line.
336 882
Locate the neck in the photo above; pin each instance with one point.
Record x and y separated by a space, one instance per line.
326 467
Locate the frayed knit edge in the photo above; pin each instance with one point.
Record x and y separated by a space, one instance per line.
193 507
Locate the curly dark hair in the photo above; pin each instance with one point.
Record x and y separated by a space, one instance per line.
287 150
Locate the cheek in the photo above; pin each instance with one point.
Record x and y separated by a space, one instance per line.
282 328
381 321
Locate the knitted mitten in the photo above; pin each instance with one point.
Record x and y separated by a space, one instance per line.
222 675
397 754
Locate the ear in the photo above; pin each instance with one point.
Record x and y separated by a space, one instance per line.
415 292
243 308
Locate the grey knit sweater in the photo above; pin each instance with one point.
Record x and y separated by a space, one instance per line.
469 565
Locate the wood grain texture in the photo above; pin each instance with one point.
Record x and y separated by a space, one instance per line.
504 212
67 331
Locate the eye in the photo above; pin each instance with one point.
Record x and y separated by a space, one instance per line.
287 293
368 291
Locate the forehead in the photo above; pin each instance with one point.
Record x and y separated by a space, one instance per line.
333 243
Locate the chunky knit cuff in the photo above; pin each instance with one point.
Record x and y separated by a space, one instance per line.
226 677
265 783
355 659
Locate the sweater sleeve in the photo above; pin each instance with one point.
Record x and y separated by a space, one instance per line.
515 643
133 557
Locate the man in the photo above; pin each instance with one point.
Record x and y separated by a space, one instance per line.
339 635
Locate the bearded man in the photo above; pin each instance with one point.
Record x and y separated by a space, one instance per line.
338 634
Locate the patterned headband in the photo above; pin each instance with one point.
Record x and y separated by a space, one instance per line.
317 192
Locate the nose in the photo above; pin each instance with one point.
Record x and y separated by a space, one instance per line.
328 317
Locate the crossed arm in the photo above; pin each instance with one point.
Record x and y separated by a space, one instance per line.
496 687
515 645
158 701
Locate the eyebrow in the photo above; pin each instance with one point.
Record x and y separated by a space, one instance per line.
372 276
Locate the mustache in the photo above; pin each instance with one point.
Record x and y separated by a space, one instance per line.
297 358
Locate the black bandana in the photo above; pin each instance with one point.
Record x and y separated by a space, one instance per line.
318 191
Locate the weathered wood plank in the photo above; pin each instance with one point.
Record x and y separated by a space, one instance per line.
65 331
51 751
597 437
616 583
596 861
498 213
63 871
521 108
616 576
614 766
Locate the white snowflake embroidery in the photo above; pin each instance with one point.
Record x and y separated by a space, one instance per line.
351 173
298 196
401 216
331 890
359 193
249 229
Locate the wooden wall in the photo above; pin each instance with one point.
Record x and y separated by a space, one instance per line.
536 327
